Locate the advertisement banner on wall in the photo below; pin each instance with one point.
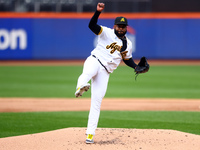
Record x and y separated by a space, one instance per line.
70 38
15 39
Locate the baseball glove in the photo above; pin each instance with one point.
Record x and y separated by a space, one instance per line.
142 67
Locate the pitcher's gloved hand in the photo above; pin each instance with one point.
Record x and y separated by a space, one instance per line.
142 66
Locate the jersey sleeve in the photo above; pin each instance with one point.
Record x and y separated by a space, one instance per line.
104 31
101 30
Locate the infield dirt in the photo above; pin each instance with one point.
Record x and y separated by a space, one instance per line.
105 139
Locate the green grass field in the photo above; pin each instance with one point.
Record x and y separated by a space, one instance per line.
60 82
34 122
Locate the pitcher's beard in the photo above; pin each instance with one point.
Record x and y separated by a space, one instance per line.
120 35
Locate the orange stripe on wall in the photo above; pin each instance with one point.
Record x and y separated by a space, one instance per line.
103 15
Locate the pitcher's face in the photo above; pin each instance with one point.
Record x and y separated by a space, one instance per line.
120 30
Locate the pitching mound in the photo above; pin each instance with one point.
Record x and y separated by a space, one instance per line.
105 139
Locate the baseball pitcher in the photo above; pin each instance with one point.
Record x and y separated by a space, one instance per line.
112 47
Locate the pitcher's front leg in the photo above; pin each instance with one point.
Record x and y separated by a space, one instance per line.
99 87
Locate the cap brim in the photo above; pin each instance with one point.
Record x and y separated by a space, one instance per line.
121 24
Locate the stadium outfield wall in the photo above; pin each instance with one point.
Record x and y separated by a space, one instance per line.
44 36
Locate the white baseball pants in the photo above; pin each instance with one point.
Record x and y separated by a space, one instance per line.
94 71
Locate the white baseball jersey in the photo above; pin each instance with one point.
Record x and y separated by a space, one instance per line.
108 49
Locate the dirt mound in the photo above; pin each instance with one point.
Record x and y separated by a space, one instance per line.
105 138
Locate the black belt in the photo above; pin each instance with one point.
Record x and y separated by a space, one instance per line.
100 63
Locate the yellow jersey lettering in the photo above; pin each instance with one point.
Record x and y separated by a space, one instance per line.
113 47
123 54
